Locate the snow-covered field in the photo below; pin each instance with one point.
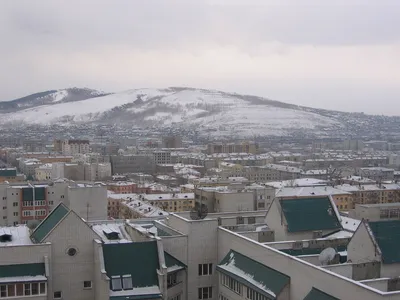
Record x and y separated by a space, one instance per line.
202 109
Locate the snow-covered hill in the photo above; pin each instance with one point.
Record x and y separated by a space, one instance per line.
49 98
216 112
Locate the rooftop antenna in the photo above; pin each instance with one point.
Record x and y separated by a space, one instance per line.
326 256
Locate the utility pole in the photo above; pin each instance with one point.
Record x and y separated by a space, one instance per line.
87 211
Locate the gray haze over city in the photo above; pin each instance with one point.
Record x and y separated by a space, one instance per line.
344 55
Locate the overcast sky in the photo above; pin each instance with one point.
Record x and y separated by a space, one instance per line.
344 55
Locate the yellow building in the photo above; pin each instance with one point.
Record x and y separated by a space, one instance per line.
174 202
43 173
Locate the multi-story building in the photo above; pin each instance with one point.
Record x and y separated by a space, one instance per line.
43 172
376 212
71 171
97 171
10 175
24 202
135 209
172 142
135 163
122 187
377 173
72 147
162 157
298 250
171 202
372 193
244 147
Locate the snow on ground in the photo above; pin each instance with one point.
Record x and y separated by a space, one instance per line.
221 113
59 95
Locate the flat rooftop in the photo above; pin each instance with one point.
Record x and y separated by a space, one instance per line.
20 235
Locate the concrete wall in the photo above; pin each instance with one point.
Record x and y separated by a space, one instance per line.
345 270
361 247
303 276
69 272
390 271
228 202
177 247
101 281
379 284
89 202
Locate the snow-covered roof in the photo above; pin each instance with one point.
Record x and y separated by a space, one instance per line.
312 191
170 196
20 235
296 183
107 227
144 208
349 224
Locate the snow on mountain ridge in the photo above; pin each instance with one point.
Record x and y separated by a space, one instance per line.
213 111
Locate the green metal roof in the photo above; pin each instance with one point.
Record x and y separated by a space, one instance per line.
8 172
27 193
309 214
22 270
49 223
139 259
171 262
253 274
387 235
316 294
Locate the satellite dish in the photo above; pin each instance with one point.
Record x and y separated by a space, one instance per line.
326 256
199 211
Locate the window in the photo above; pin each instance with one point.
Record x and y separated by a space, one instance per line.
87 284
231 284
127 282
251 220
51 202
27 289
261 204
222 297
20 289
172 279
15 204
3 291
15 214
205 269
62 196
116 283
205 292
239 220
35 288
253 295
42 288
57 295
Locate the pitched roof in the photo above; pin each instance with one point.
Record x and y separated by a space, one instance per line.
34 269
316 294
310 214
172 263
49 223
140 260
259 277
387 236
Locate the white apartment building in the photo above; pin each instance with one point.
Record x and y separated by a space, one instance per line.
224 256
24 203
97 171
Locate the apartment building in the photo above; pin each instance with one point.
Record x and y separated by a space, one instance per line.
135 208
72 147
171 202
24 203
162 157
240 147
97 171
135 163
172 142
377 173
238 255
372 193
376 212
10 175
71 171
233 198
43 172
